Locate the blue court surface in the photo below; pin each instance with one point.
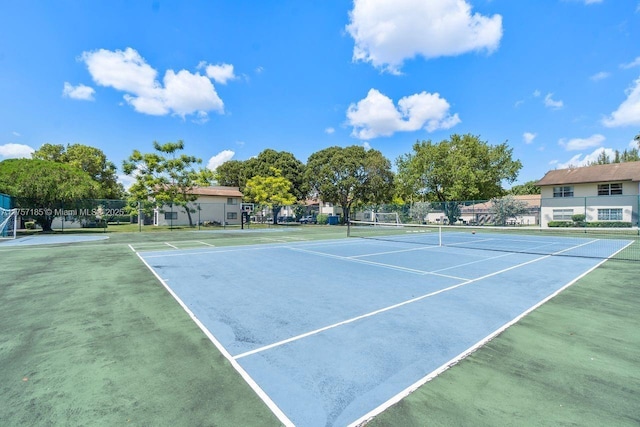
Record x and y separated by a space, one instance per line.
329 333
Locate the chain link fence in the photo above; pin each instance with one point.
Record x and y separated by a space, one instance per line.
529 210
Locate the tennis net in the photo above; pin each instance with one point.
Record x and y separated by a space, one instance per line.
619 244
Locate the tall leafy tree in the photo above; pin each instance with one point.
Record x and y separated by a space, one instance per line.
236 173
166 176
528 187
43 187
460 168
273 191
232 173
346 176
89 159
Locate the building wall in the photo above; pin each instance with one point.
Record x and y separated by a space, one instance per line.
586 201
214 210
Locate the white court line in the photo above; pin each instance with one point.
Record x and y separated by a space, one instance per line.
378 264
398 397
206 244
391 307
169 244
259 391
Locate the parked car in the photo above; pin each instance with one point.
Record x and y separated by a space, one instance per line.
308 219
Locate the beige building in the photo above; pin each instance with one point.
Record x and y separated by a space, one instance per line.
600 192
214 206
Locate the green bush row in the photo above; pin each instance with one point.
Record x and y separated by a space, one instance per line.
595 224
609 224
560 224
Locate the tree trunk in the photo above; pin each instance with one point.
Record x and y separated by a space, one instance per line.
45 222
189 216
275 211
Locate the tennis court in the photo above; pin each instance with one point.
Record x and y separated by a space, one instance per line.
333 332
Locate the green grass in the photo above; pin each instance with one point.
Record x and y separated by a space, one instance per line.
89 337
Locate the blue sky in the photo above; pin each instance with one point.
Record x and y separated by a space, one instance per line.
558 79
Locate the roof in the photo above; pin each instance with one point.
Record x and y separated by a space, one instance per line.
628 171
217 191
532 201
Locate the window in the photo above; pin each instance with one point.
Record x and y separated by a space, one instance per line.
232 201
170 215
232 215
562 214
610 214
563 191
610 189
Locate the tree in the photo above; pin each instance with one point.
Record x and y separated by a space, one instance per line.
273 191
232 173
507 207
528 187
345 176
461 168
44 187
89 159
236 173
166 177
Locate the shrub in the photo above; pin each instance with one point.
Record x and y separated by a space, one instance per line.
609 224
322 219
560 224
30 225
578 217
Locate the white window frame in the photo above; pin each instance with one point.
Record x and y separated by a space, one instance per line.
562 214
232 201
610 189
563 191
232 215
168 216
610 214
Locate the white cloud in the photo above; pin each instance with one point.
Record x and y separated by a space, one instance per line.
16 151
183 92
628 113
329 131
600 76
366 146
528 137
578 160
80 92
126 180
376 115
552 103
576 144
14 133
536 93
634 63
221 73
387 32
219 159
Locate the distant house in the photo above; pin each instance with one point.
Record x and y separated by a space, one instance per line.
481 213
214 206
600 192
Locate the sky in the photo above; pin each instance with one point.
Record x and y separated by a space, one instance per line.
557 80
